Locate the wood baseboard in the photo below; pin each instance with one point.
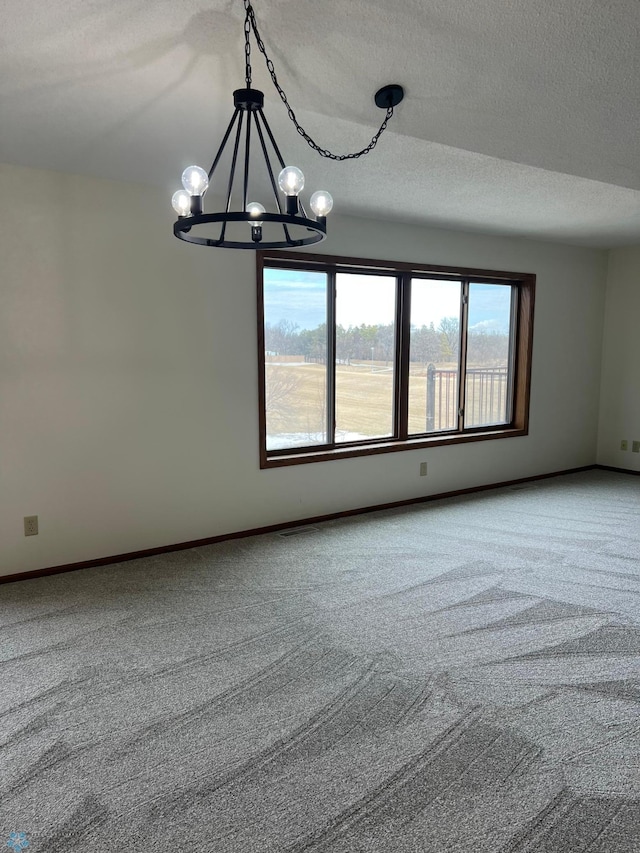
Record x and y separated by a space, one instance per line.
273 528
618 470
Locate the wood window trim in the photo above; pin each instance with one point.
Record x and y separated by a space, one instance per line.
519 426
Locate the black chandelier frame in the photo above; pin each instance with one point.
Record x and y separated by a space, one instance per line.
248 104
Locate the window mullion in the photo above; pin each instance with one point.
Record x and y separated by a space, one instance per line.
511 364
462 352
402 356
331 357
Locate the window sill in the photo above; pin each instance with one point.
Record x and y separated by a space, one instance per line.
389 446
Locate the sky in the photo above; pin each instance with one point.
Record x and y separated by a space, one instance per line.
300 298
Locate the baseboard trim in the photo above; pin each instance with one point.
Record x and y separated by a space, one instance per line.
273 528
618 470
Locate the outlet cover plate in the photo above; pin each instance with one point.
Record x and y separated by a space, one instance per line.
31 525
635 447
624 444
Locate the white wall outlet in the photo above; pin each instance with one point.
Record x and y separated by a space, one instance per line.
635 447
31 525
423 469
624 444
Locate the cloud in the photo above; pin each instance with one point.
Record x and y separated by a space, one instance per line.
492 325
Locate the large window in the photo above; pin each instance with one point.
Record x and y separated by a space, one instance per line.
362 357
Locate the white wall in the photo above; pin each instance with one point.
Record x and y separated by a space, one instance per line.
128 376
620 392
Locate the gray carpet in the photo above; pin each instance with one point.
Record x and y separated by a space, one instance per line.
457 676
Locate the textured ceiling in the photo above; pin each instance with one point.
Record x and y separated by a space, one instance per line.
520 116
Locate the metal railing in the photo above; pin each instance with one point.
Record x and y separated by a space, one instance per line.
486 396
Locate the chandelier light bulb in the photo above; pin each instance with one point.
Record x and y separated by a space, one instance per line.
181 201
291 180
254 209
195 180
321 203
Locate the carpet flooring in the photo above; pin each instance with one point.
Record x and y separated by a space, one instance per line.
462 675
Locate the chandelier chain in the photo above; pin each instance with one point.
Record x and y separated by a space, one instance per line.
249 25
247 48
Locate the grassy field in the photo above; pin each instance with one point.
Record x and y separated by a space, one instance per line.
296 392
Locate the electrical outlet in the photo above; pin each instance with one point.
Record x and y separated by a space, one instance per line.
31 525
635 447
423 469
624 444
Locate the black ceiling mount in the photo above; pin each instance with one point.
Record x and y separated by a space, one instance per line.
389 96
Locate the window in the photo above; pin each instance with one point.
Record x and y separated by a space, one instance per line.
361 357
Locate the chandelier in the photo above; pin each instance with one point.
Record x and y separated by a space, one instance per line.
285 225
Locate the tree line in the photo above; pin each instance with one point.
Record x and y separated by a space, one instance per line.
376 343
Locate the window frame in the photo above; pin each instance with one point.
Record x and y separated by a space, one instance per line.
520 357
